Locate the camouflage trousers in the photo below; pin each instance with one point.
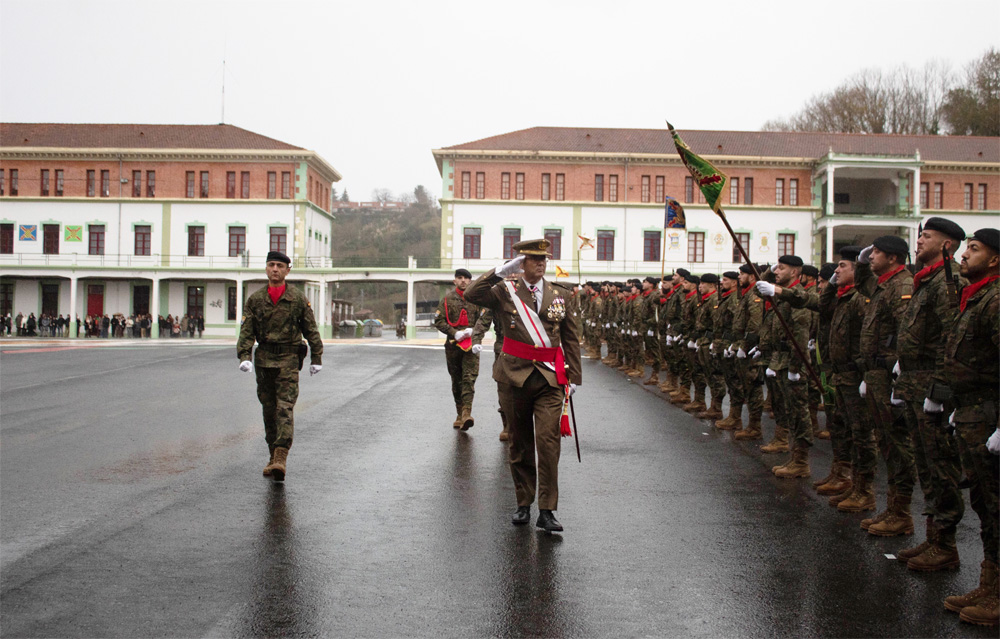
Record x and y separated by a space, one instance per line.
277 390
652 349
982 468
752 382
698 377
939 466
796 398
892 432
854 411
679 364
713 372
841 438
777 397
734 386
463 367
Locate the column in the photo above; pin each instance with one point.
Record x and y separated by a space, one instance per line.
324 311
411 310
829 190
154 308
74 312
239 304
915 194
830 257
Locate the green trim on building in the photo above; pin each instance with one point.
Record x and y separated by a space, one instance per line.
744 230
165 239
143 223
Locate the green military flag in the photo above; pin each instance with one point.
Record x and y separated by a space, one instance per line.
711 180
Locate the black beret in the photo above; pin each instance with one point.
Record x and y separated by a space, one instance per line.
850 253
892 245
652 280
710 278
683 272
461 272
826 272
667 278
277 256
949 228
790 260
810 270
746 268
694 279
989 237
733 275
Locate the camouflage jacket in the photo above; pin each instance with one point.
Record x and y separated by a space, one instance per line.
704 318
448 317
650 312
792 304
722 320
971 363
885 305
689 306
280 327
747 318
846 313
673 307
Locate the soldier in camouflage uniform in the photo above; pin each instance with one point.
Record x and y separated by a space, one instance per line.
611 331
691 375
762 353
649 328
837 430
725 357
970 377
632 336
747 324
705 336
277 317
810 283
457 318
670 299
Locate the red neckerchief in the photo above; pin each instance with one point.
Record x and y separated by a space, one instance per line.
275 293
747 289
809 285
460 292
646 294
842 291
883 278
792 284
972 289
707 295
726 294
629 299
463 317
688 296
924 272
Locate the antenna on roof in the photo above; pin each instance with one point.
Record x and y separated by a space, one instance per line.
223 121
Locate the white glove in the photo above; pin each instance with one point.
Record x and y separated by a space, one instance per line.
794 377
607 326
669 340
476 348
246 366
462 334
754 353
728 353
315 368
765 288
933 408
711 348
572 389
692 345
833 279
865 256
896 370
770 373
993 443
512 267
894 401
863 389
741 354
649 333
951 418
811 345
635 333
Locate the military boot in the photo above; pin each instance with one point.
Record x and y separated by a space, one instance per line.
734 420
840 481
778 443
907 554
833 470
681 396
890 500
638 370
467 421
898 522
669 385
941 555
504 435
653 379
458 416
277 466
835 500
697 404
712 412
984 613
818 433
798 467
862 497
270 460
752 431
987 587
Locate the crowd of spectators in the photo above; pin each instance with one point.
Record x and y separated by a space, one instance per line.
105 326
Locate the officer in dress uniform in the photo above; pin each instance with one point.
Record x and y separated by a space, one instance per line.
456 318
539 366
277 318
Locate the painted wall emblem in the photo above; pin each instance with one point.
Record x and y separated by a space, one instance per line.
28 232
73 234
764 237
718 239
675 242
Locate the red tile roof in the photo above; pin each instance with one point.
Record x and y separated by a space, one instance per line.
934 148
137 136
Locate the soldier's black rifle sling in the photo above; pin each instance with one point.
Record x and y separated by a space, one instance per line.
951 282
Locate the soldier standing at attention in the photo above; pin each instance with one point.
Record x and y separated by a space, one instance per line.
277 318
725 357
455 317
705 334
650 328
539 366
971 370
685 342
748 319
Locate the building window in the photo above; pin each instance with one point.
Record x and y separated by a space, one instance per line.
143 237
519 186
7 299
554 236
480 185
688 189
925 189
96 239
605 246
13 182
44 190
105 183
510 238
660 187
6 239
237 240
598 188
748 191
793 192
696 247
136 183
286 185
471 244
939 195
196 241
981 198
272 185
612 188
779 192
91 182
189 182
786 244
2 184
245 185
560 187
645 188
505 186
744 239
60 182
968 197
279 240
465 185
651 246
150 183
196 300
546 177
204 184
50 239
230 184
734 190
231 304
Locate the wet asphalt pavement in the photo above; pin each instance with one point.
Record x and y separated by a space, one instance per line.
132 505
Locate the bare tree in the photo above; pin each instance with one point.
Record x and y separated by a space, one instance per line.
382 195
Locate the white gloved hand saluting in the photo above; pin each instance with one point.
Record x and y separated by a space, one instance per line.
833 279
315 368
993 443
933 408
462 334
866 254
511 267
246 366
770 373
765 288
476 348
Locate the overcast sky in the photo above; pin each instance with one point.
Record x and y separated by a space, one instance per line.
374 86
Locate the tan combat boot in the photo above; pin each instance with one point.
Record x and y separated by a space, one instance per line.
697 404
799 466
835 500
458 416
734 420
681 396
987 587
653 379
941 555
899 521
270 460
862 497
890 500
778 443
833 470
751 432
907 554
277 467
504 436
840 482
712 412
818 433
984 613
638 370
467 421
669 385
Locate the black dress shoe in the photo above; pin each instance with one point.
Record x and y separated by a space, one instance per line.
547 521
521 516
